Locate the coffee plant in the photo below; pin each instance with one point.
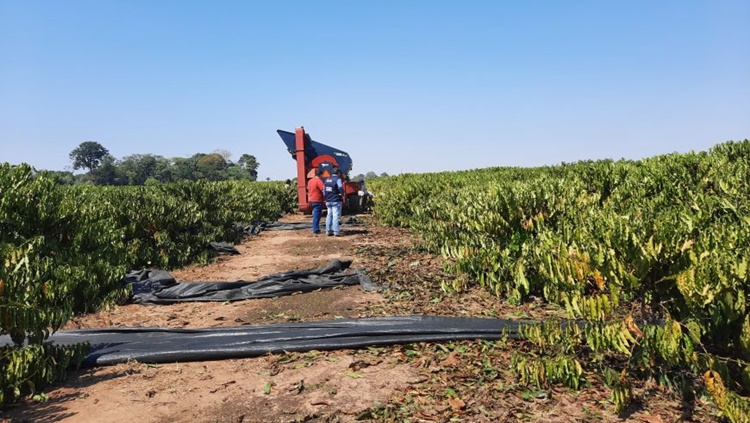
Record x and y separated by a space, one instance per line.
650 256
65 250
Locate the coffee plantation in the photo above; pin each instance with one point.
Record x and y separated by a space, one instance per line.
649 258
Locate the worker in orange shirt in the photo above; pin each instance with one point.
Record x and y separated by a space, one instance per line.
316 199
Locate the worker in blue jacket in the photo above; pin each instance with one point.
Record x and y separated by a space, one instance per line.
333 193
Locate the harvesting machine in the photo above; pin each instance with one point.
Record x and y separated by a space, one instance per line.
311 155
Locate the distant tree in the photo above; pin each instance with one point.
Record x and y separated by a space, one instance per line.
233 172
183 169
150 169
138 168
211 167
359 178
163 171
88 155
108 173
226 154
383 175
250 164
371 174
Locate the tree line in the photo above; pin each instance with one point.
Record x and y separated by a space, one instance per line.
368 175
146 169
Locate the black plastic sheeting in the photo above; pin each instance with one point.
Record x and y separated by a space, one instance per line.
160 287
161 345
224 248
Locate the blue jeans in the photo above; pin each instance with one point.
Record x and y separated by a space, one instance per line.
332 218
317 210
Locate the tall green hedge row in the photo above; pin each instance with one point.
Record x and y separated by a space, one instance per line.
652 255
65 250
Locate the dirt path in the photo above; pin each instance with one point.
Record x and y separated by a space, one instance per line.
470 381
272 388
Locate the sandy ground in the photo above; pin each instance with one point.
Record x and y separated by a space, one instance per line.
291 387
467 381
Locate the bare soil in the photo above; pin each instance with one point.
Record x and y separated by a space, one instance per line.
466 381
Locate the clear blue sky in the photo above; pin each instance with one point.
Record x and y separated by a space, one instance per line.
403 86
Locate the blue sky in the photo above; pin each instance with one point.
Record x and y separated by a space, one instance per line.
403 86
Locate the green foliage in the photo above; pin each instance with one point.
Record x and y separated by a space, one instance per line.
249 164
541 371
651 255
734 407
149 169
88 155
24 370
65 250
57 255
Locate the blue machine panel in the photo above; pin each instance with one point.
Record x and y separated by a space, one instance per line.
314 149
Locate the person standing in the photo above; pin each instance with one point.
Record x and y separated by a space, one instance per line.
316 199
333 196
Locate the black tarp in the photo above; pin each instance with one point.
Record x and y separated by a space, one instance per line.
164 345
161 345
224 248
160 287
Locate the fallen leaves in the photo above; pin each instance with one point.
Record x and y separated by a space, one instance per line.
650 418
456 403
451 361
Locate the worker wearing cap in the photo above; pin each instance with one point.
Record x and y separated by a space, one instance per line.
316 199
333 195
